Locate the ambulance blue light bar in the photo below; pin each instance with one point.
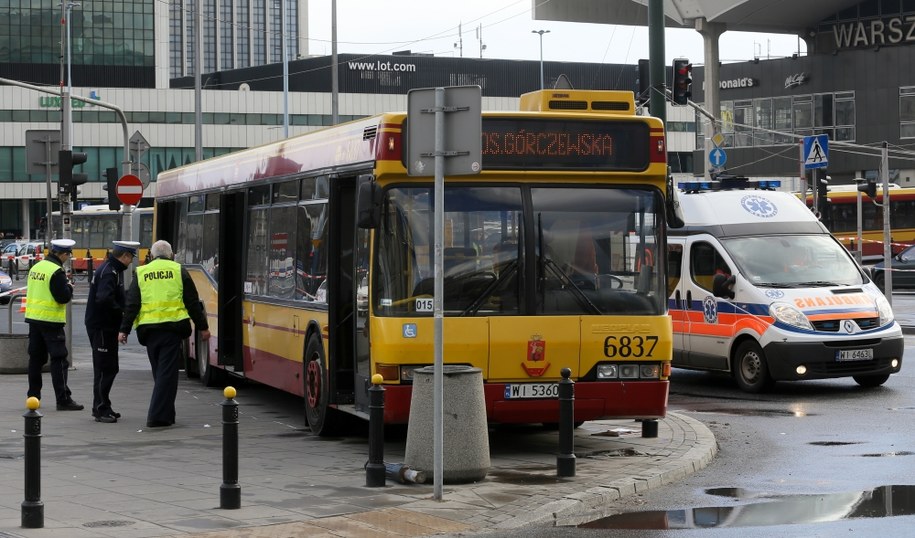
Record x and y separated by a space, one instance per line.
730 183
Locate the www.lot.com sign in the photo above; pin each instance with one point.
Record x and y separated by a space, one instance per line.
382 66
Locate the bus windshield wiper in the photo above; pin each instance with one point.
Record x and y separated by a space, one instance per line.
510 269
569 284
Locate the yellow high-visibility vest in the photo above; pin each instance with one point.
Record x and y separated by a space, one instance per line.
40 303
161 293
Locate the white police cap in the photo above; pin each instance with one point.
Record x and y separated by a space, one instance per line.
62 245
130 246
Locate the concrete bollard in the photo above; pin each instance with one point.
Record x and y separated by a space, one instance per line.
465 451
375 469
565 461
229 491
32 507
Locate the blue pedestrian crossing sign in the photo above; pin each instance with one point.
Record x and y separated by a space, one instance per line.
717 157
816 151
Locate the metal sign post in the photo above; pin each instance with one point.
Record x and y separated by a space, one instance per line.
887 250
431 116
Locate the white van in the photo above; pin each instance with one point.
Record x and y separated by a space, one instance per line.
758 287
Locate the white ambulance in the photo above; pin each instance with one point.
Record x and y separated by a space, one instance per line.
758 287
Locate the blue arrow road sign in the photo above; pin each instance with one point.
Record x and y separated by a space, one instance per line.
717 157
816 151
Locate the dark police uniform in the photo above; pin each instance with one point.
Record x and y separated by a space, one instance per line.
48 292
161 302
104 310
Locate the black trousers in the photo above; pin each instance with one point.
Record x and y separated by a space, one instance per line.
104 367
43 342
164 351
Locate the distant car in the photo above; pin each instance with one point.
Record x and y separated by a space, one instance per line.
903 267
6 284
29 254
9 251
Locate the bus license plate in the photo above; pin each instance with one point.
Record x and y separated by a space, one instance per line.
855 354
532 390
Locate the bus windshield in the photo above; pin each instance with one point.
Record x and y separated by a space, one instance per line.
518 250
794 261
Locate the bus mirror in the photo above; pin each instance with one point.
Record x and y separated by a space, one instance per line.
368 203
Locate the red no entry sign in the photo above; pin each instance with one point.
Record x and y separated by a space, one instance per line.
129 189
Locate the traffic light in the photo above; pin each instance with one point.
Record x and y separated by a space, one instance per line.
822 190
683 81
111 179
68 182
644 82
869 188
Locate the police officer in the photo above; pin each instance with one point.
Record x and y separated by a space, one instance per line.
48 291
161 302
104 310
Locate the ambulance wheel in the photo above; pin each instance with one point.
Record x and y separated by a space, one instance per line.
871 381
318 414
750 369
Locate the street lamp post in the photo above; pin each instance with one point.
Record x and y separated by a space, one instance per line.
541 32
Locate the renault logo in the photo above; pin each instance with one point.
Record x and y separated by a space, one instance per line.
849 326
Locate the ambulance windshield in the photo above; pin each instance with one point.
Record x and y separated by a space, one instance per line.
794 261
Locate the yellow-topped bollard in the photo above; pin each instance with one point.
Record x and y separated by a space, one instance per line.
32 508
374 469
230 490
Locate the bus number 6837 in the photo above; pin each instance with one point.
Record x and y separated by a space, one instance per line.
629 346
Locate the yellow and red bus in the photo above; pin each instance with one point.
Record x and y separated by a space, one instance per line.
94 227
840 216
314 258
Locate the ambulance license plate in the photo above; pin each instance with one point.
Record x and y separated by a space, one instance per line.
855 354
531 390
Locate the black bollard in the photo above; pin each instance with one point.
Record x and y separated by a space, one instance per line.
229 491
375 468
565 461
32 507
649 428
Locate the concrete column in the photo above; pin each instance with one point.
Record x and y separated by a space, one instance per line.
710 32
26 219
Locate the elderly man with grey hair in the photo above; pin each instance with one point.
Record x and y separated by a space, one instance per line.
161 302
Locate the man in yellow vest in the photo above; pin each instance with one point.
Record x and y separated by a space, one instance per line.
161 302
48 292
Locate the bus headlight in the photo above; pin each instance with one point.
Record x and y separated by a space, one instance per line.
789 315
607 371
650 371
885 310
629 371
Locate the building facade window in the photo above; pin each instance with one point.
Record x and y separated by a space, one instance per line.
907 112
750 122
115 32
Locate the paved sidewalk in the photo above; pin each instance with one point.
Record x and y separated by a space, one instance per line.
124 480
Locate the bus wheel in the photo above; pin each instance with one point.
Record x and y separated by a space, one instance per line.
210 375
750 369
190 363
316 388
871 381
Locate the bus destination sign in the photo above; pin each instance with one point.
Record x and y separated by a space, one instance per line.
567 144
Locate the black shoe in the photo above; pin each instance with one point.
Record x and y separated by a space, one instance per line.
107 419
69 406
158 424
114 414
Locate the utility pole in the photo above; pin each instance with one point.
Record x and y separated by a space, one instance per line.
541 32
657 101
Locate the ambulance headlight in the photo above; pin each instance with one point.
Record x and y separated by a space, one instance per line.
885 310
789 315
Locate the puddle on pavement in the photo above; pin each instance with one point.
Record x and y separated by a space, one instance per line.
883 501
834 443
748 412
889 454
